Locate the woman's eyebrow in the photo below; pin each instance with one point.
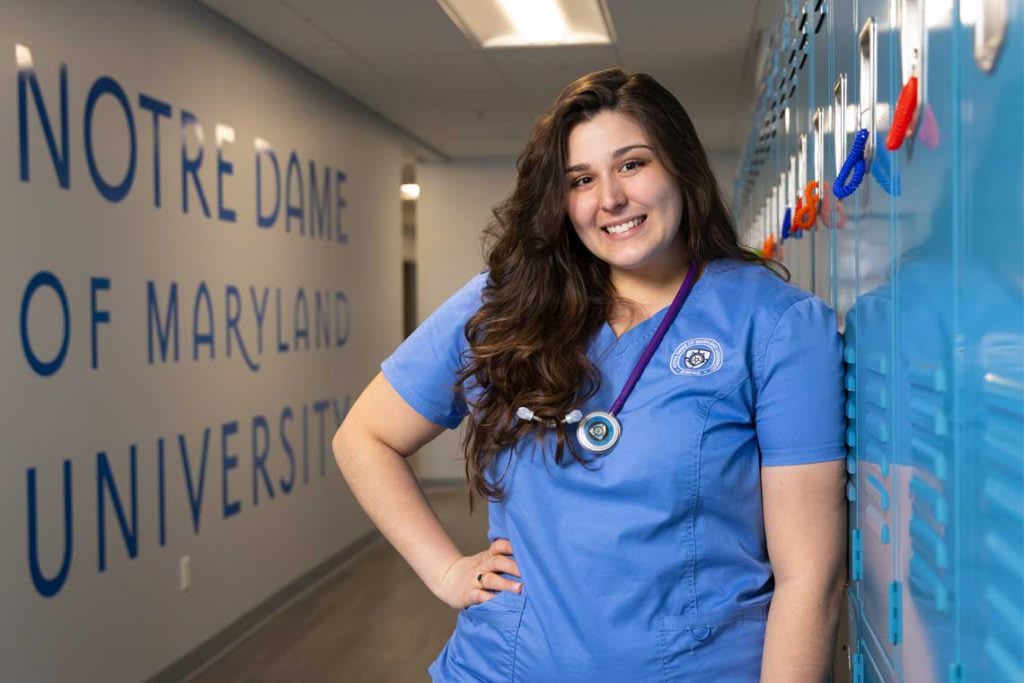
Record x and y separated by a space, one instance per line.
617 153
622 150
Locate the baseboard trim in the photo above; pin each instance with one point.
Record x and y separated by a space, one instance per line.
208 652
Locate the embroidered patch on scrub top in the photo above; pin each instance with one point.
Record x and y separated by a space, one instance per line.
700 356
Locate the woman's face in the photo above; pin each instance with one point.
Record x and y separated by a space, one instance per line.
623 203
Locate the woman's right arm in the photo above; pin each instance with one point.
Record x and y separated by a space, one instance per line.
371 448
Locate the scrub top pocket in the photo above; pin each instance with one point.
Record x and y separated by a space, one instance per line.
718 646
483 646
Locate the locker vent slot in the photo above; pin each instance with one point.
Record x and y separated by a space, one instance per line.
877 362
877 394
1007 664
929 457
926 581
928 414
882 493
877 426
927 377
928 500
872 453
1003 557
927 542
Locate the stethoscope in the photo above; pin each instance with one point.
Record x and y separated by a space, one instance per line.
598 431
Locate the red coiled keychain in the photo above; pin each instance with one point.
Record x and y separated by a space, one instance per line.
905 108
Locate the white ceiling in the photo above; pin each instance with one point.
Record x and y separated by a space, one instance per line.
407 61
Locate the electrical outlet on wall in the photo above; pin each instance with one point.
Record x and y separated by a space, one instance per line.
185 572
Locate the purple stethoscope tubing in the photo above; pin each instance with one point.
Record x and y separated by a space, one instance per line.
659 334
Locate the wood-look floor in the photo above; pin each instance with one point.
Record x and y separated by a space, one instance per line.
373 621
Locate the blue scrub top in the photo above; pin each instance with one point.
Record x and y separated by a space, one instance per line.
649 564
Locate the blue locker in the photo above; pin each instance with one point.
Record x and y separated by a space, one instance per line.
924 263
869 226
988 350
926 276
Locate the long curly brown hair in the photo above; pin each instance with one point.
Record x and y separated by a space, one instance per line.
546 295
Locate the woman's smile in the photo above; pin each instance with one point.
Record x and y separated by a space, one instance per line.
625 229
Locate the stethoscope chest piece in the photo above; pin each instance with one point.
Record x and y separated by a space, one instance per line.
598 431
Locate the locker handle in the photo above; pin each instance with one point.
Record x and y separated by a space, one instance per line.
912 30
839 119
867 42
905 108
818 124
801 162
789 189
990 32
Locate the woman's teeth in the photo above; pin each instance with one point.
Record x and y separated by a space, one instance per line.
623 227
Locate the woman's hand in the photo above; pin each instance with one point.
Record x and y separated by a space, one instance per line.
459 587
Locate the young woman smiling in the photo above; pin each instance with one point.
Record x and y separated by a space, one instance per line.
655 417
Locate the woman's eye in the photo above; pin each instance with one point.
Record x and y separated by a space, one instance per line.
632 165
582 180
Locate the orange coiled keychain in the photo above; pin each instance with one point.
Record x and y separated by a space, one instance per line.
905 108
807 209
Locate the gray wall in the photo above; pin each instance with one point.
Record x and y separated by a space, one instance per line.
454 207
724 165
118 615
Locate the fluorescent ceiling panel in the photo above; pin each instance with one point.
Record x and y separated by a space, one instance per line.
519 23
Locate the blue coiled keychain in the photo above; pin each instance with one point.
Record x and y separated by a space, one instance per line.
844 186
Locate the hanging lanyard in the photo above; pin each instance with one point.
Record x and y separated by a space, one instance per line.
600 430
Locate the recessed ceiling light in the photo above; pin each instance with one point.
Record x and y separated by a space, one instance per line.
518 23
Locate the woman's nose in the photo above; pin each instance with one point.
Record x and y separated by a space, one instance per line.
613 197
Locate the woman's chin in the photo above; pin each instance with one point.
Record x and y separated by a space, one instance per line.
632 263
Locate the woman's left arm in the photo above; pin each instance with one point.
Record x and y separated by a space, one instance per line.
805 526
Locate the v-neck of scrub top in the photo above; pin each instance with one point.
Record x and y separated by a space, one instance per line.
645 329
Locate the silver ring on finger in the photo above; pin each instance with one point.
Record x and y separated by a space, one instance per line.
480 578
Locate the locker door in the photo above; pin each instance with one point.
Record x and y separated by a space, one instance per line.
989 330
926 297
870 209
818 78
841 19
770 173
798 99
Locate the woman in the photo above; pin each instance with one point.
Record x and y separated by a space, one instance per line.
665 481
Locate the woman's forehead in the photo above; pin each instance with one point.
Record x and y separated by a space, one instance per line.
597 139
